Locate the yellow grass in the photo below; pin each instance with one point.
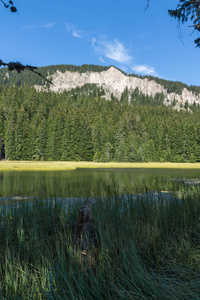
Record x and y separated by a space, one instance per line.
71 165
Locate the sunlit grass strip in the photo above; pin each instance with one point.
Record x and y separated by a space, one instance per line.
71 165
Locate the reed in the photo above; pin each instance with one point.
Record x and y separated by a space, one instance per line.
148 247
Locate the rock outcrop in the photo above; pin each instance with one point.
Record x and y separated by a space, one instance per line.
113 81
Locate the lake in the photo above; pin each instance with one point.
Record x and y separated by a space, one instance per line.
83 182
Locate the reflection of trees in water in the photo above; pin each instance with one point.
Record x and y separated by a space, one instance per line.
1 178
46 184
83 183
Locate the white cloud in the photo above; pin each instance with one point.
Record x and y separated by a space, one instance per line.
144 69
77 33
28 27
113 49
68 27
48 25
72 30
101 59
93 41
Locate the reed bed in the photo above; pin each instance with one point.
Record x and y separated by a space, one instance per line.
147 248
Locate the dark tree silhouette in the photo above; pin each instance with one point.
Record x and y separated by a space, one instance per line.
17 65
185 11
10 5
188 10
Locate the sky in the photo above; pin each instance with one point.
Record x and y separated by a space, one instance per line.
106 32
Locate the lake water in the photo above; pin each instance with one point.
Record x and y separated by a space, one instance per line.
83 182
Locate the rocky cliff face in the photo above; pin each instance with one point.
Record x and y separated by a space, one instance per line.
114 82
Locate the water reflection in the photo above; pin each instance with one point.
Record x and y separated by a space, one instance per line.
83 182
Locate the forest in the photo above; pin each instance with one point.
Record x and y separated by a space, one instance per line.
81 125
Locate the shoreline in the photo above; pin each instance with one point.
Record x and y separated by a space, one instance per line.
72 165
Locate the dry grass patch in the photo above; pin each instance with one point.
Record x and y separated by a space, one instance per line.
70 165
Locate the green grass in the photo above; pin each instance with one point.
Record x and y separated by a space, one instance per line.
146 249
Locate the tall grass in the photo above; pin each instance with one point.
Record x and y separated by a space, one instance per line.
148 248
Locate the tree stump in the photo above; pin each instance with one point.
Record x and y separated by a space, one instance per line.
84 232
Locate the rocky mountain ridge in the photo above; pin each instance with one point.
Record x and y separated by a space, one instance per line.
113 81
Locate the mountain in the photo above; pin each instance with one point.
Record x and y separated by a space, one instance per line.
113 81
73 119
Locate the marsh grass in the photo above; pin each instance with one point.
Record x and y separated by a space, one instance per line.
148 248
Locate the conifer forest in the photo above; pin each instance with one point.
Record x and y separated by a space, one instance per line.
82 125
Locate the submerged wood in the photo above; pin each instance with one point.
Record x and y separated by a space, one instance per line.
84 231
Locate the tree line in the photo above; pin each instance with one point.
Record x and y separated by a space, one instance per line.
82 125
27 78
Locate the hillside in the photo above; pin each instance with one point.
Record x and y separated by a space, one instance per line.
73 119
81 125
114 82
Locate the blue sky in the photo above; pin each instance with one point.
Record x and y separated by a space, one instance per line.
111 32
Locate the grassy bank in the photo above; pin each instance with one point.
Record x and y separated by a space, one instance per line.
70 165
146 249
